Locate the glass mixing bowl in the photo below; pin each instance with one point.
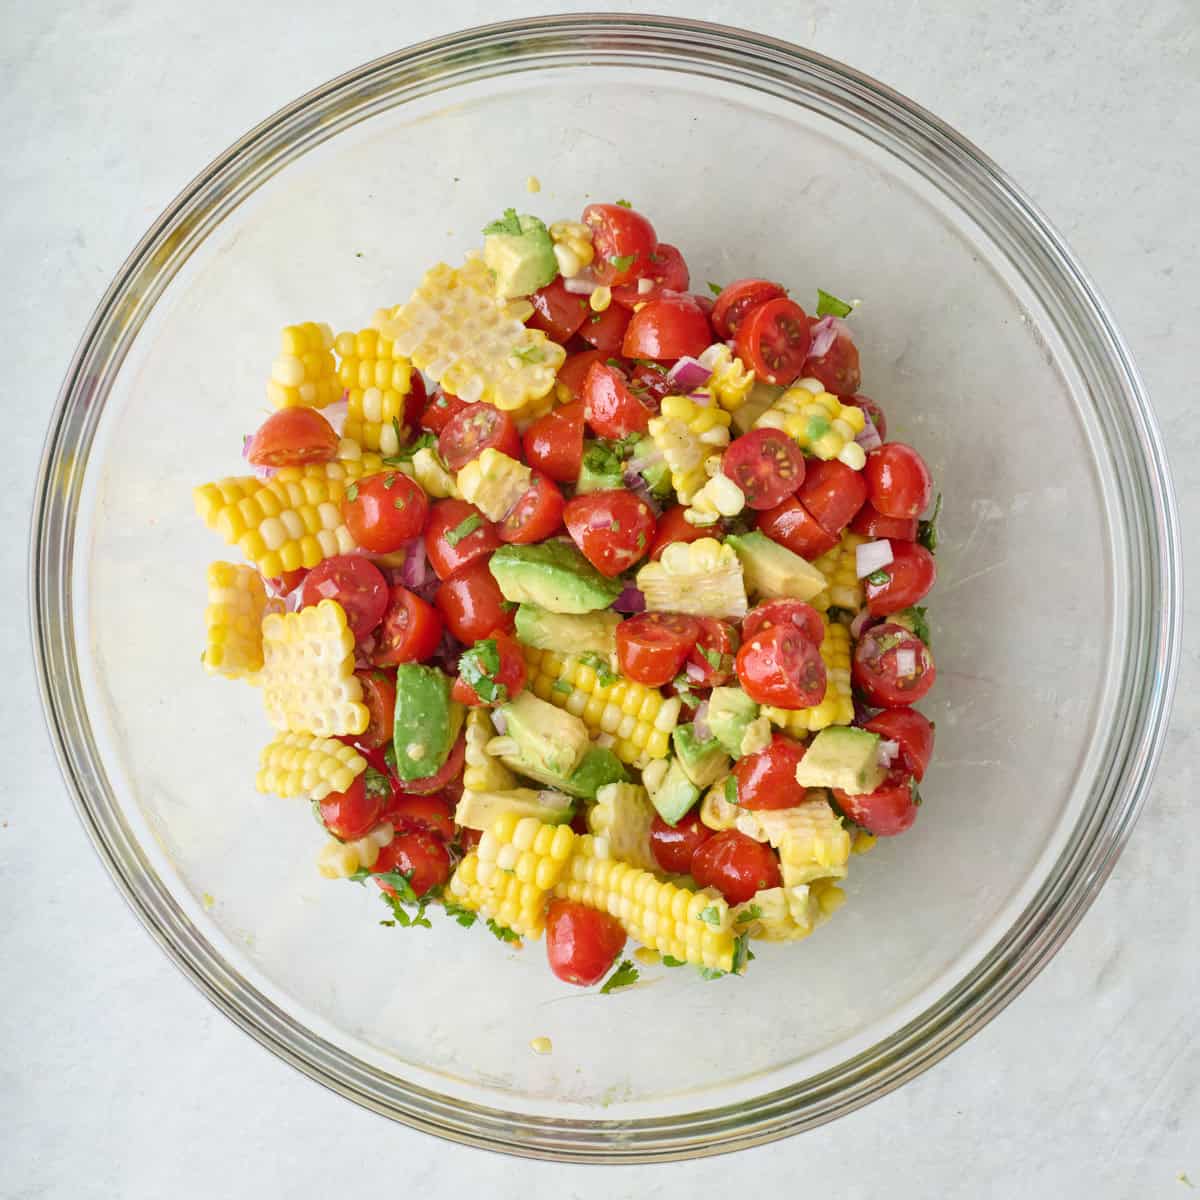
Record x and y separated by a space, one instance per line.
1056 616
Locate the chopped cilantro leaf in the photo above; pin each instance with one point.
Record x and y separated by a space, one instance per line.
669 961
528 354
641 541
831 306
621 262
927 531
614 362
623 976
878 578
742 953
604 672
624 204
464 916
595 317
376 783
399 502
502 932
509 223
710 916
731 795
352 492
390 482
561 685
915 618
405 454
715 288
463 529
751 912
401 895
615 526
711 657
479 667
712 973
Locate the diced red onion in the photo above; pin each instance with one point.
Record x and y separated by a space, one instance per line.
414 571
861 623
337 412
634 481
863 712
689 373
824 334
294 600
869 439
695 672
328 589
709 355
649 458
731 344
582 284
887 752
702 398
500 721
630 600
870 557
906 662
700 722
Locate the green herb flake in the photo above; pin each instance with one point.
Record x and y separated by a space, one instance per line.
400 502
624 204
406 454
615 526
879 578
604 672
669 961
614 362
561 685
390 482
528 354
621 262
830 306
352 492
479 667
463 529
927 531
464 916
712 973
595 317
715 288
623 976
509 223
402 895
752 912
710 916
712 657
502 932
742 954
376 783
641 541
731 792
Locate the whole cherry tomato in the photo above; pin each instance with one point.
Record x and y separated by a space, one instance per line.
674 845
736 865
898 481
890 809
384 511
472 604
768 779
582 942
292 437
613 529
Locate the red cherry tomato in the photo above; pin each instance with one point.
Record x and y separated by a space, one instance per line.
667 273
736 865
456 534
878 418
606 330
582 943
913 733
292 437
557 312
444 777
384 511
892 666
890 809
554 443
623 241
740 298
910 575
353 813
472 604
710 662
766 464
609 407
781 666
507 679
613 529
832 493
673 527
474 429
420 856
410 632
768 779
355 583
574 371
792 525
666 328
837 368
537 514
410 814
652 647
785 612
773 341
871 523
674 845
379 695
441 407
898 480
289 581
468 839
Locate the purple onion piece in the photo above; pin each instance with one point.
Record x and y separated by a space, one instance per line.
630 601
414 572
700 722
689 373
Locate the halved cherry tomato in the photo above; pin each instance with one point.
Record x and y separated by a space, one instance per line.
792 525
766 464
606 330
768 779
736 865
623 241
410 814
474 429
785 612
355 583
667 328
612 528
472 604
674 845
898 480
498 659
890 809
673 527
740 298
910 575
877 415
444 777
288 582
652 646
832 493
411 630
456 534
441 407
554 443
609 407
710 662
912 731
351 814
292 437
574 371
871 523
667 273
781 666
468 839
557 312
582 942
379 695
884 681
420 856
773 341
537 514
838 367
384 511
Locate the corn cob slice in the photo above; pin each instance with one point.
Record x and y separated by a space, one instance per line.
293 519
693 927
840 568
716 810
308 672
455 329
377 382
837 705
299 764
639 718
494 483
237 603
304 374
689 436
809 837
339 860
779 914
623 814
703 578
730 383
820 423
483 772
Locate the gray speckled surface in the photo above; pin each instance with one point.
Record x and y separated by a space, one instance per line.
118 1079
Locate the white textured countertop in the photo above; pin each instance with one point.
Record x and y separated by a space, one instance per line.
118 1079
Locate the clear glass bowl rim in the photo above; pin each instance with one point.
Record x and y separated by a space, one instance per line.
1146 519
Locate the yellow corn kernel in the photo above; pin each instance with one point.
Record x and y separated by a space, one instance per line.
820 423
377 382
302 765
840 568
429 471
719 497
600 299
837 705
716 811
864 842
339 860
304 375
237 603
493 482
811 841
703 578
779 914
573 248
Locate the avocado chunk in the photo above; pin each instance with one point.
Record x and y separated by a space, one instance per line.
548 739
676 795
553 575
842 757
600 471
773 571
703 762
730 714
762 396
568 633
596 769
481 810
427 721
657 474
520 252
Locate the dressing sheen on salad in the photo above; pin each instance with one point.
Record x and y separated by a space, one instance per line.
584 604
